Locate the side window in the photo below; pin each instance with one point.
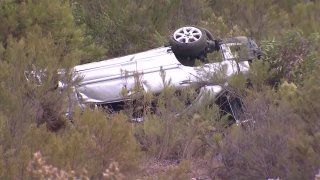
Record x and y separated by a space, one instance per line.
235 51
226 51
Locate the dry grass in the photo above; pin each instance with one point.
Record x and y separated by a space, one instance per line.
40 169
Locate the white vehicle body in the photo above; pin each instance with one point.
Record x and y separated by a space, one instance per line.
103 82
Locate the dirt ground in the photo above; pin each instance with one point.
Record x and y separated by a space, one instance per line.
200 169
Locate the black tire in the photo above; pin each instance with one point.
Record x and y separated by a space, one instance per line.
190 49
209 35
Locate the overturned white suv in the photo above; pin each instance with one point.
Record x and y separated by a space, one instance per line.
102 83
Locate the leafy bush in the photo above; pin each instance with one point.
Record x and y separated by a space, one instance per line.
116 24
92 143
291 58
273 144
172 132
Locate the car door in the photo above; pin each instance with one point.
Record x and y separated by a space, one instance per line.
160 71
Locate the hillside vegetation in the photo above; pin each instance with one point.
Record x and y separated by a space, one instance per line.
37 141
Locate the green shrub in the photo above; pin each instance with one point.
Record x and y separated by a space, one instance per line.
292 57
273 144
176 131
92 143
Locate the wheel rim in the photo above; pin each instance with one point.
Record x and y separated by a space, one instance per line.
187 34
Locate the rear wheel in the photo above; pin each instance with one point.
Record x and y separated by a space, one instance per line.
188 41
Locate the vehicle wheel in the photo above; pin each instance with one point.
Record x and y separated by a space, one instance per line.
188 41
